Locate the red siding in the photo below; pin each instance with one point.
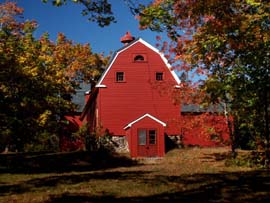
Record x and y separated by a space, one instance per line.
122 102
74 122
204 130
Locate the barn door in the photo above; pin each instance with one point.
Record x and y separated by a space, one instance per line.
147 142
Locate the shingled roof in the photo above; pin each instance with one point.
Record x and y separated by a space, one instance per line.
79 97
195 108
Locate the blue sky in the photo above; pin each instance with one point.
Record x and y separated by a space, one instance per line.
68 20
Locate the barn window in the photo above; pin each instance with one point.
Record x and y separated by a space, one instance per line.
152 137
138 58
120 77
142 136
159 76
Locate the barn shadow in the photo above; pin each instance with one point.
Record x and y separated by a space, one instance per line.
31 163
223 187
170 143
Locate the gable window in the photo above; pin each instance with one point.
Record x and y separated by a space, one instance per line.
120 77
159 76
138 58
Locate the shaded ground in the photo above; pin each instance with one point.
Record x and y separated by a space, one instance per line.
35 162
186 175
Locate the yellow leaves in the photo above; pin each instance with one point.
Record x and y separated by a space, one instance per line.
22 59
61 38
39 73
43 118
46 59
4 89
35 79
95 73
253 2
44 48
34 71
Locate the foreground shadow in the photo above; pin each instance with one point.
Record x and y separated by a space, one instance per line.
69 179
245 186
61 162
233 187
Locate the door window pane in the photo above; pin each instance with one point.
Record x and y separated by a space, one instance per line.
142 136
152 136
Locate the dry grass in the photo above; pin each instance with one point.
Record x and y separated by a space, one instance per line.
184 175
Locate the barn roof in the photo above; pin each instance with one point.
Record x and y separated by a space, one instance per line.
138 40
92 96
142 117
195 108
78 98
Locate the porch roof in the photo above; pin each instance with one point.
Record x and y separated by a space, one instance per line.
142 117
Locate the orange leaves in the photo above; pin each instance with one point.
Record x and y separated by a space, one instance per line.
7 12
66 59
208 18
38 77
9 15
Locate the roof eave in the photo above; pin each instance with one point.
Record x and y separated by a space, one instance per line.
142 117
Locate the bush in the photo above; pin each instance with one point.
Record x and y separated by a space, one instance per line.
253 159
99 142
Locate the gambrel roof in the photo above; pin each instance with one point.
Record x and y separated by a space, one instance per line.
139 40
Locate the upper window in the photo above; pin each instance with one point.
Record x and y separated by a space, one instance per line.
159 76
138 58
120 77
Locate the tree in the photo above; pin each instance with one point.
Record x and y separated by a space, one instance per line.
228 41
37 77
98 11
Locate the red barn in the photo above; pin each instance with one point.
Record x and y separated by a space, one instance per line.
135 100
205 127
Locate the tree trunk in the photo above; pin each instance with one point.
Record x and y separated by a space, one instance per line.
266 131
231 133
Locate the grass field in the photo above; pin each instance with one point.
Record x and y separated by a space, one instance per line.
183 175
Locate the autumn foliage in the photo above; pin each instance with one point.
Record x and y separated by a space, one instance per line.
225 45
37 79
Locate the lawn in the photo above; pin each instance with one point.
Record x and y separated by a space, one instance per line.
183 175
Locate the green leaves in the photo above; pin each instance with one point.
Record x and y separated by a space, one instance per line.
253 2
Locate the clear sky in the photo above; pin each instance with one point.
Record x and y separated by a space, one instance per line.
68 20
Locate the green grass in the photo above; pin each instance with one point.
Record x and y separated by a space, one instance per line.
184 175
